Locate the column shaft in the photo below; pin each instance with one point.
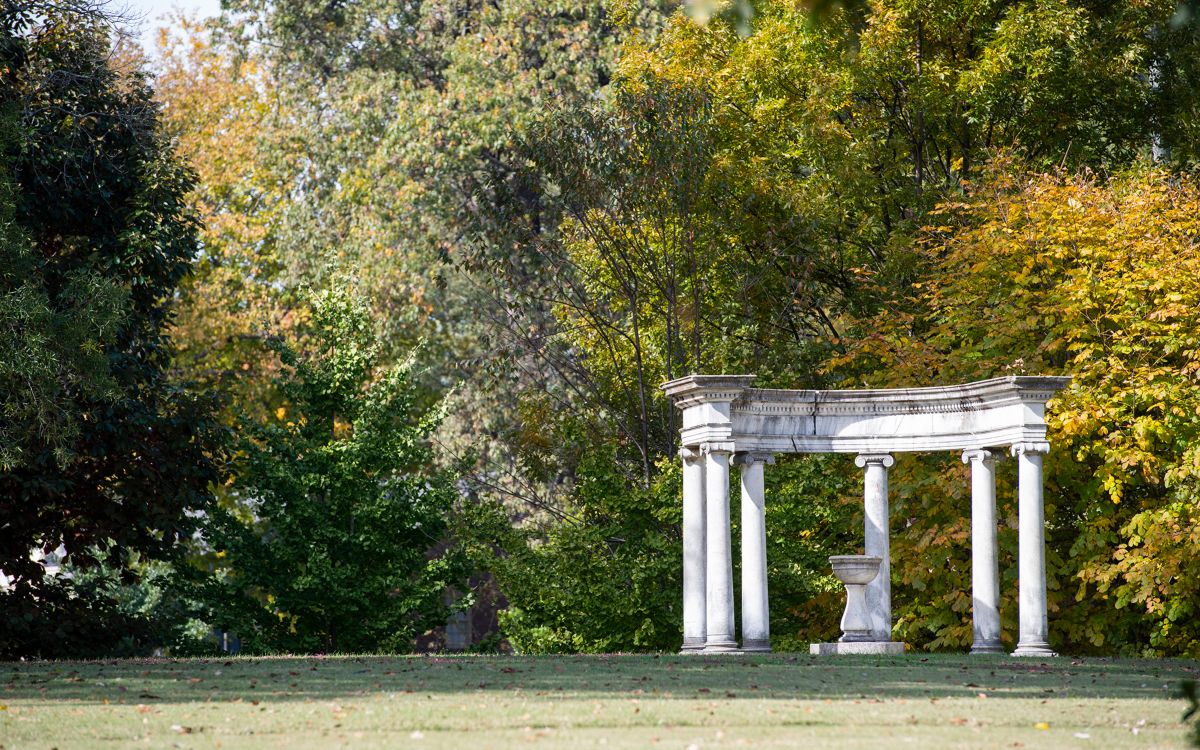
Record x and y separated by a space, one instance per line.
694 595
719 622
985 570
1034 624
756 628
876 541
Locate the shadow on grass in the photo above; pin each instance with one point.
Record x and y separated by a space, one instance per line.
777 676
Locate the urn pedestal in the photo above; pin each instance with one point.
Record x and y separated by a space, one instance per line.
856 571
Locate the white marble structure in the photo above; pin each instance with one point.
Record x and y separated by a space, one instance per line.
728 422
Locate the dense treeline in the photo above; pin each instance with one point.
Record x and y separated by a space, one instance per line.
554 207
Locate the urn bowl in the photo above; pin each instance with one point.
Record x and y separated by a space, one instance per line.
855 569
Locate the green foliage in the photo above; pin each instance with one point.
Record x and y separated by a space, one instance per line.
813 511
50 351
649 261
117 457
604 577
402 121
860 134
53 330
123 606
333 533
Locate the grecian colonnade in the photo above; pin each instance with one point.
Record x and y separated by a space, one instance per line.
728 423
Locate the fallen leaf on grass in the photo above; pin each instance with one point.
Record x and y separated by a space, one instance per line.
1041 725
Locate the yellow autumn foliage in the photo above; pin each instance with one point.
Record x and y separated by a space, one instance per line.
228 122
1097 277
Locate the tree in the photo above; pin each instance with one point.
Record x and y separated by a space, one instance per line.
386 147
94 205
333 536
230 120
51 348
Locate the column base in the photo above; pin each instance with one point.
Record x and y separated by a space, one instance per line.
721 646
987 647
756 646
692 645
1034 648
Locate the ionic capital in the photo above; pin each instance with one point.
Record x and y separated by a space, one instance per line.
979 455
724 449
863 460
690 454
747 459
1035 447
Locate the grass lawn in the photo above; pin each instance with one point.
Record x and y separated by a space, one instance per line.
483 702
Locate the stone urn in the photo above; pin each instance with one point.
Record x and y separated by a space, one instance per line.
856 571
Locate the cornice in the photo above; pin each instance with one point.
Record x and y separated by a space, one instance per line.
984 414
692 389
966 397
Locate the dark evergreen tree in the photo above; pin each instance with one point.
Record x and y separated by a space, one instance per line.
103 453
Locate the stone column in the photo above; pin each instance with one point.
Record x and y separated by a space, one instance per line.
985 569
756 628
876 540
1034 627
694 632
719 571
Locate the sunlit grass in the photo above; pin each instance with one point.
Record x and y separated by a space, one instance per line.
486 702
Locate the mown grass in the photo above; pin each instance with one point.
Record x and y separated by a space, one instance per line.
483 702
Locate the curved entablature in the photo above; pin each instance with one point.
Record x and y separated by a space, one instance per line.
988 413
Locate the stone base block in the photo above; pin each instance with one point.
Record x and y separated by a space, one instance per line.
856 647
983 648
721 646
692 645
1034 649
